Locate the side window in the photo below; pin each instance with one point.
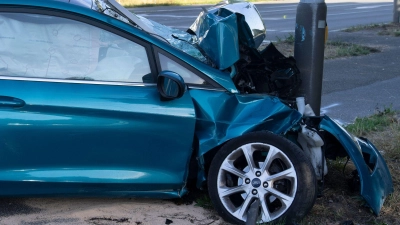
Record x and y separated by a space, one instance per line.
171 65
44 46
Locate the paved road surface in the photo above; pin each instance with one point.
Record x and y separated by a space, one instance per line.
279 17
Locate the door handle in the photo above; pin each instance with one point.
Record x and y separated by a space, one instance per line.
11 102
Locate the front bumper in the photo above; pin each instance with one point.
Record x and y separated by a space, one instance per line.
375 178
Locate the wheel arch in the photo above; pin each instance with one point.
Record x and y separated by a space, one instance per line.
204 157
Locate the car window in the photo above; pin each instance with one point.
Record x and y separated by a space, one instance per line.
44 46
171 65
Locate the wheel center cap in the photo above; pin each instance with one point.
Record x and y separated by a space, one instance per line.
256 182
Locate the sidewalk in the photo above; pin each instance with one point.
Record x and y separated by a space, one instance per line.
357 86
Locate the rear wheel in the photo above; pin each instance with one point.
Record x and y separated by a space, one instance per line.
262 166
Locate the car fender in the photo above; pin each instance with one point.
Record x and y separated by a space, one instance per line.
376 181
221 116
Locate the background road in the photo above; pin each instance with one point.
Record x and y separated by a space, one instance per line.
279 17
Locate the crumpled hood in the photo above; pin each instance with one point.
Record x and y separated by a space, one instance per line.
223 28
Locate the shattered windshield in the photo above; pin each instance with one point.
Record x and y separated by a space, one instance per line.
177 38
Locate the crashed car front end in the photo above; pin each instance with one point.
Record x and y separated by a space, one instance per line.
227 37
267 71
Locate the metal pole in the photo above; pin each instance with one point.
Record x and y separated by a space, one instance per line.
396 11
309 49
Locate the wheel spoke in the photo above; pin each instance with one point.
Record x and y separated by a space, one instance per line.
231 190
242 211
289 173
285 199
270 157
248 153
228 167
265 212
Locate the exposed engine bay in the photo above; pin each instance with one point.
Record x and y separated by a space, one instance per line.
268 72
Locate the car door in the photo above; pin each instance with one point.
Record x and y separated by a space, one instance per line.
80 111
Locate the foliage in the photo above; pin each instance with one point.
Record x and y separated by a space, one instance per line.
376 122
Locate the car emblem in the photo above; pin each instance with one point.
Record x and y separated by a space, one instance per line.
256 182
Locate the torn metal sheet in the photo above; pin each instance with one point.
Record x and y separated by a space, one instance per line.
375 178
251 21
223 28
218 37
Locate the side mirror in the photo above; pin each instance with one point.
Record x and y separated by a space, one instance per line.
170 85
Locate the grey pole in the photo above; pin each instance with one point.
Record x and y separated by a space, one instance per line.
309 49
396 11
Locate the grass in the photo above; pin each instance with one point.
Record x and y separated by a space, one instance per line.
204 201
377 122
363 27
333 49
143 3
337 49
287 40
392 29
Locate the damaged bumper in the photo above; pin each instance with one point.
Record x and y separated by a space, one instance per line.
376 181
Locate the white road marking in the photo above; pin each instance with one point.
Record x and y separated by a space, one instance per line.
274 18
294 7
337 14
281 10
373 6
325 109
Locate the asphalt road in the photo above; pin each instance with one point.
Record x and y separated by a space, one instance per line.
279 16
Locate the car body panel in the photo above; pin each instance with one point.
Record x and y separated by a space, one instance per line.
90 133
376 182
223 116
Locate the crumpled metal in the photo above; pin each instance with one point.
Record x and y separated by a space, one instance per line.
218 38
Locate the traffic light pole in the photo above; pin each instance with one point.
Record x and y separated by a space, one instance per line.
309 49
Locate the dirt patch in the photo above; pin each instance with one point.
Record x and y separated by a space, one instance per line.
108 221
15 206
110 211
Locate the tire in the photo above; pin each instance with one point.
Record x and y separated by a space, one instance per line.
285 185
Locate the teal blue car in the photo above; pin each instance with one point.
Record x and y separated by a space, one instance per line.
98 101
